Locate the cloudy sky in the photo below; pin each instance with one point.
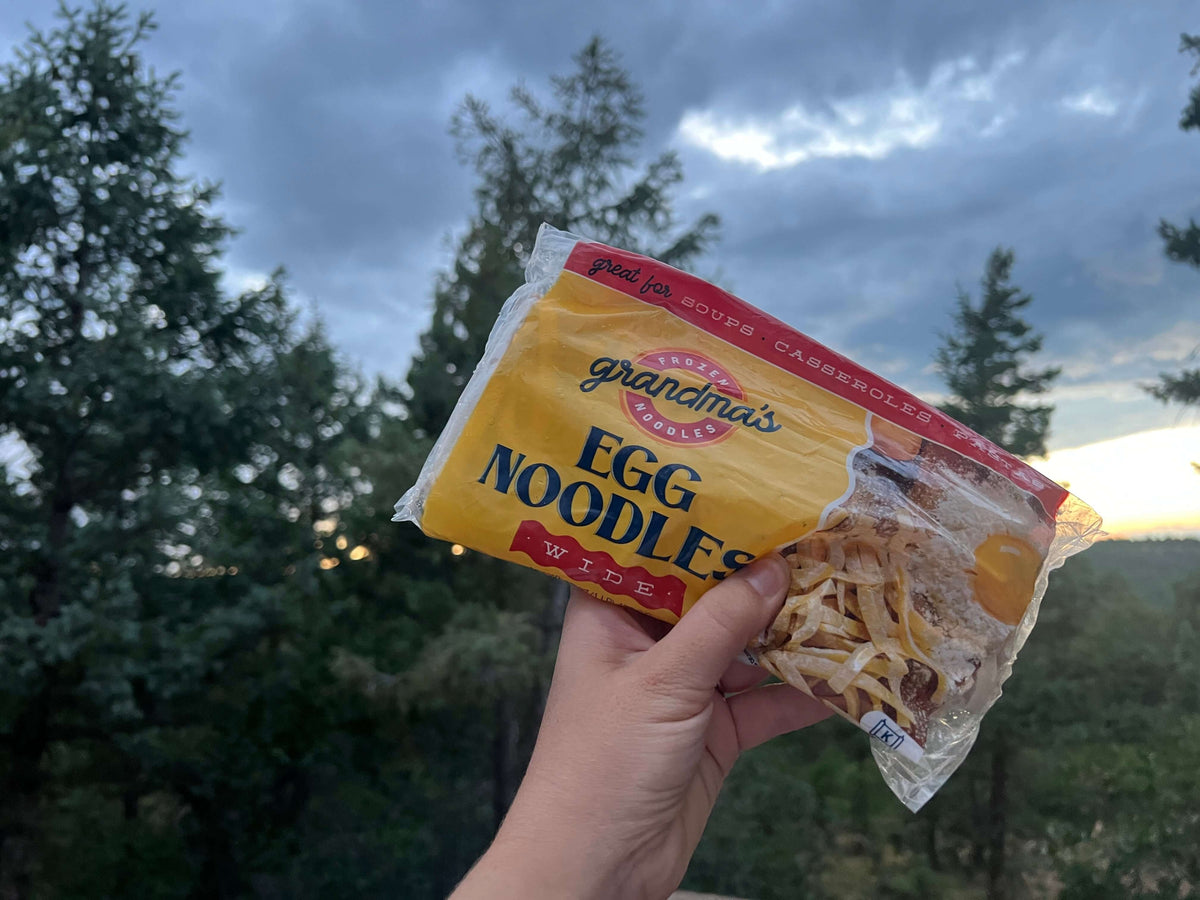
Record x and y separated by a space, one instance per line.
864 159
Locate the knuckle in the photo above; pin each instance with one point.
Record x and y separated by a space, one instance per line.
658 677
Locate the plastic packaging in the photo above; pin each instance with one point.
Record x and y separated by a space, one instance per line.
643 434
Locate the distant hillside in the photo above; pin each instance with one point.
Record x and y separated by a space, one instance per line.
1152 568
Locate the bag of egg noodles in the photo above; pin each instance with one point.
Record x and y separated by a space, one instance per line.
643 434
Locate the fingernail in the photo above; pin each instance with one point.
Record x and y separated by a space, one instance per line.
768 576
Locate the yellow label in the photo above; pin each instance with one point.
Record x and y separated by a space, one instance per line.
637 455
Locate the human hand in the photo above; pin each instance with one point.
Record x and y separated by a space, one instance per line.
640 730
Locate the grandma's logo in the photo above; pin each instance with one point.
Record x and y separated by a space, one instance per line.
703 405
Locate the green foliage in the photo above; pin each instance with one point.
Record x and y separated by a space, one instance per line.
1157 567
224 673
1183 387
153 647
572 164
768 824
1102 708
1182 245
469 640
983 362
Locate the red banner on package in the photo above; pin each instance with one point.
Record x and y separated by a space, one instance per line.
596 567
738 323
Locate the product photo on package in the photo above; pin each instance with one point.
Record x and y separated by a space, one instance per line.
643 434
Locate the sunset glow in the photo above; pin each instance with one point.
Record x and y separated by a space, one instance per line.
1143 485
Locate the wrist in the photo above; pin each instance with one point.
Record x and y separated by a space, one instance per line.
548 847
521 866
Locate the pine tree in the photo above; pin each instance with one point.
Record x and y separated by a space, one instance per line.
984 359
472 675
1182 244
571 164
984 362
181 444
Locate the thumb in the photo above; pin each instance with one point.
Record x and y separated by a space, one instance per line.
696 652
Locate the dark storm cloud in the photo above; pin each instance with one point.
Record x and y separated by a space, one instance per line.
1047 127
